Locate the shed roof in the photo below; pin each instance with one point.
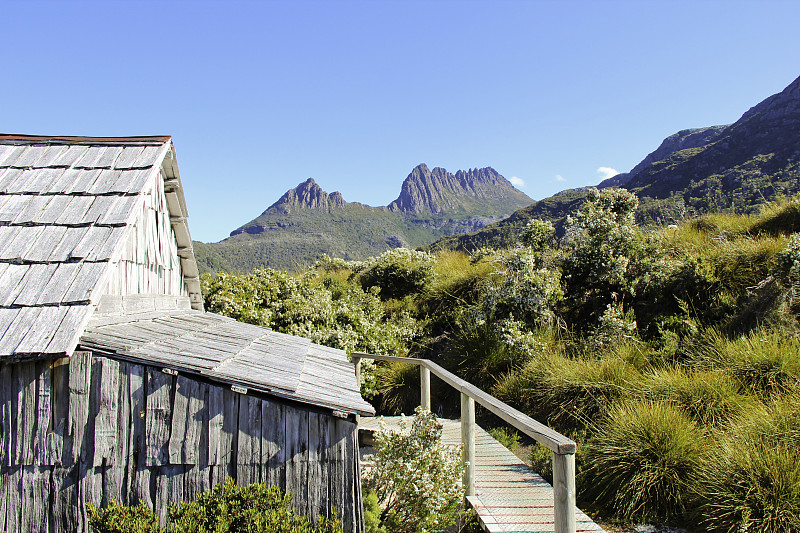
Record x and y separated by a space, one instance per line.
228 351
65 208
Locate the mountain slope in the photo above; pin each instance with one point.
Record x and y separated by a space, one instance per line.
733 168
307 222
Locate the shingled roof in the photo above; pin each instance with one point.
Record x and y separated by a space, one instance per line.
65 208
224 350
68 210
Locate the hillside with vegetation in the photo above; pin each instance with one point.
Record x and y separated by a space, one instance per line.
671 355
307 222
719 169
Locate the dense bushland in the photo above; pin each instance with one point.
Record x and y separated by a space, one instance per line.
227 508
670 354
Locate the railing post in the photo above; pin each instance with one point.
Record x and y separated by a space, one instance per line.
564 492
424 387
468 442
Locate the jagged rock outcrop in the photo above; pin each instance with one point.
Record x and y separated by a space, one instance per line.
307 222
309 195
436 191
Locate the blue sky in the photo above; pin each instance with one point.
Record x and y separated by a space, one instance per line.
260 96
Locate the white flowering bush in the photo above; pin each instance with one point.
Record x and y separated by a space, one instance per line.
415 477
538 235
526 290
603 253
398 272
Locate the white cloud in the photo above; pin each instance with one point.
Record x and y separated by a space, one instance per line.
607 172
517 182
559 177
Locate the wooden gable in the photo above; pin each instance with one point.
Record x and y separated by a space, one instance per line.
75 212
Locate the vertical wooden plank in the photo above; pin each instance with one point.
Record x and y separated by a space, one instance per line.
158 417
189 413
3 496
297 457
338 481
229 440
6 419
64 487
137 445
78 411
316 492
249 445
35 498
351 458
169 488
59 411
199 409
143 486
106 377
13 499
43 415
197 481
122 455
180 407
216 453
273 441
25 412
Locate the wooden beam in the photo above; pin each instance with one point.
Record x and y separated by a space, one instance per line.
547 437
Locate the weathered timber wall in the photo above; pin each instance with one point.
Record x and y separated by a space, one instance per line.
149 263
91 428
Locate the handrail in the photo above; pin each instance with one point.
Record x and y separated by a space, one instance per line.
563 448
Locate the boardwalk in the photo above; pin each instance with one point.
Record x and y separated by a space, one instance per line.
510 496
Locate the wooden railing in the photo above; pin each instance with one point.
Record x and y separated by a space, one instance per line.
562 447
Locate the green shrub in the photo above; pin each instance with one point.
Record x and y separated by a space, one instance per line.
415 477
751 481
372 513
568 394
507 437
397 387
398 273
764 362
228 508
642 463
118 518
710 398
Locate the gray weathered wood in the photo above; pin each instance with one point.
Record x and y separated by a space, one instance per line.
158 417
105 376
564 492
468 443
544 435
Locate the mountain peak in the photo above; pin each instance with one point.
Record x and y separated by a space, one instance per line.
309 195
437 191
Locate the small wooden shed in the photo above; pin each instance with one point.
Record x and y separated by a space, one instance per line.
114 383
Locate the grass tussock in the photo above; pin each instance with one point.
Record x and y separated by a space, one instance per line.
643 462
751 480
708 397
569 394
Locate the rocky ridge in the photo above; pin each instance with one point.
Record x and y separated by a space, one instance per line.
306 222
733 168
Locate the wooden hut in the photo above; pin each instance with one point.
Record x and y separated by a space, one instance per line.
114 384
